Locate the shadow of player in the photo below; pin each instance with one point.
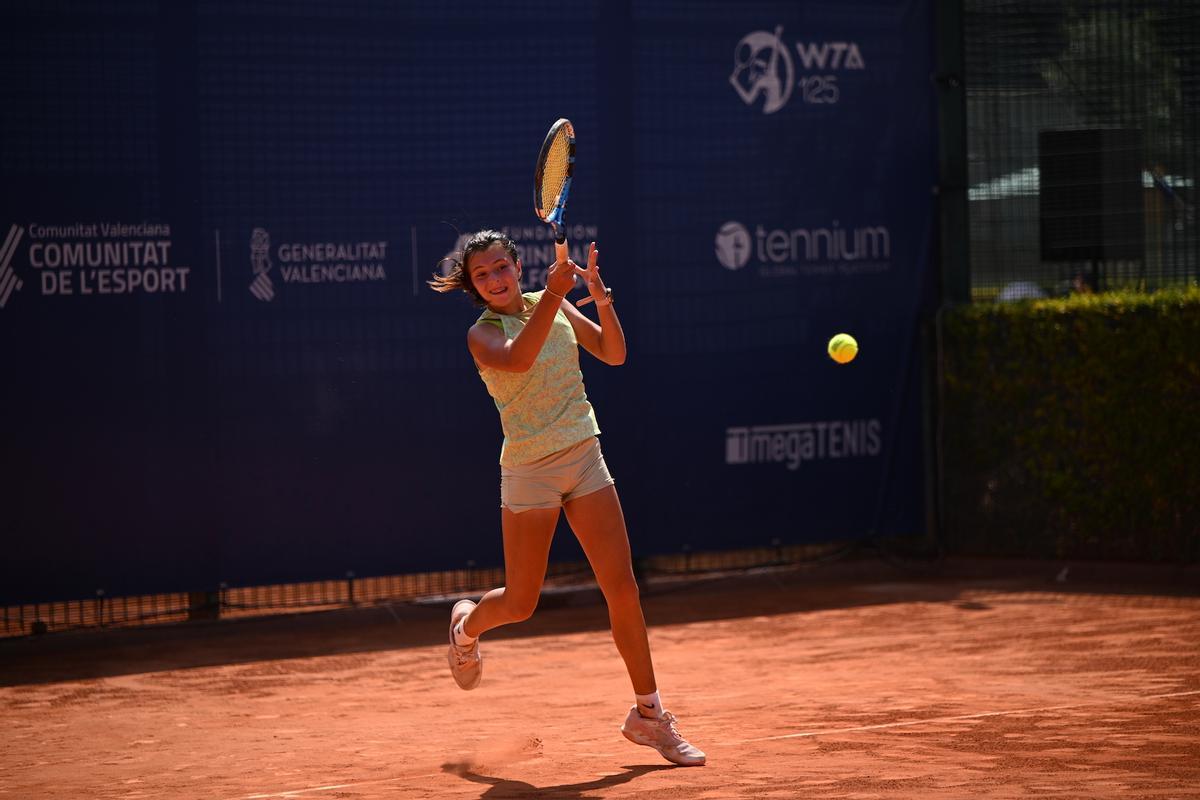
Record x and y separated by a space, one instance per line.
501 789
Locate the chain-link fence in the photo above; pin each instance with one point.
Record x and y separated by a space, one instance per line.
1083 145
226 602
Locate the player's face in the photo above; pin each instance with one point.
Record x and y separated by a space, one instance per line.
496 277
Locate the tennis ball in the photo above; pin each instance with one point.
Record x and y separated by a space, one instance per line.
843 348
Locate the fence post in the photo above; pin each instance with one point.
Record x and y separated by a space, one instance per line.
203 605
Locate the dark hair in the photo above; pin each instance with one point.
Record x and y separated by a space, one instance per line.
457 276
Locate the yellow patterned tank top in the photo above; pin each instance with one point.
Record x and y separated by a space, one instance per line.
544 409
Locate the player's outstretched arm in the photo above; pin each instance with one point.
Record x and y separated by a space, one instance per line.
605 341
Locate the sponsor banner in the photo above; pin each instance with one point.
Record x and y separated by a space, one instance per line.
309 264
763 176
792 444
91 259
824 250
777 69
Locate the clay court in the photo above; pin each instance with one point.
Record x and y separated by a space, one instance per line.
852 680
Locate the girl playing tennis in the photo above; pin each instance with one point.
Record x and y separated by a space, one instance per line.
525 347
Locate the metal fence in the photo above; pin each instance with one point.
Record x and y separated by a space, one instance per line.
226 602
1083 143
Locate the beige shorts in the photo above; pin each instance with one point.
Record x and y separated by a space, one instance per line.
555 479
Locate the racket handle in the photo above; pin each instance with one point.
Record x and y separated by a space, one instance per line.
583 301
561 253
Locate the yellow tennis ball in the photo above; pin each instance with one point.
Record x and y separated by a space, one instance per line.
843 348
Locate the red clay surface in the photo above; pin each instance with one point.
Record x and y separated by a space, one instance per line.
847 681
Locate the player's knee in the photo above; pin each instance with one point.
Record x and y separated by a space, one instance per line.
623 592
521 606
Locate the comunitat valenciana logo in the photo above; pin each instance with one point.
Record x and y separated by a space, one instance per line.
825 250
93 259
763 68
9 280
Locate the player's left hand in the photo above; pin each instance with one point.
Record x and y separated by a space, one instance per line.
591 275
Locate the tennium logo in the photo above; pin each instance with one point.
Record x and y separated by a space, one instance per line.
828 249
733 245
763 68
795 443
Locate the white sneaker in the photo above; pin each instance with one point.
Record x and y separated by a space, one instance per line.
466 663
663 736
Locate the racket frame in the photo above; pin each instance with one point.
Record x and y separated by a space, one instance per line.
555 217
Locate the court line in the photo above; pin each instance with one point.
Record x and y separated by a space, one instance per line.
333 786
823 732
961 717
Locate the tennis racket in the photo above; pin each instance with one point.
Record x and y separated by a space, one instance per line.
552 181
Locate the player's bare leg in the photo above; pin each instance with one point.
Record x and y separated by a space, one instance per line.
527 538
599 525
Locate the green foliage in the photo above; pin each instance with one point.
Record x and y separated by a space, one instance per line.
1071 427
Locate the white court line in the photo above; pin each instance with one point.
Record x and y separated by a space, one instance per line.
332 787
827 731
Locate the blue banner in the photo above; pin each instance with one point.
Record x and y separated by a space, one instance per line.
785 168
224 364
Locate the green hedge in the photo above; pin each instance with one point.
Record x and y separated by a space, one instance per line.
1070 427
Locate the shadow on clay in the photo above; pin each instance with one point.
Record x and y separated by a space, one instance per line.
503 789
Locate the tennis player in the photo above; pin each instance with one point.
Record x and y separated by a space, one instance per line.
525 346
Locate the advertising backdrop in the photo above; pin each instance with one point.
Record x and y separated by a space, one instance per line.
223 363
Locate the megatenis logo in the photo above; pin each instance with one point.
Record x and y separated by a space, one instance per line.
763 68
313 263
826 250
796 443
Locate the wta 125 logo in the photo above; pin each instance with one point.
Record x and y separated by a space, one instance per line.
763 67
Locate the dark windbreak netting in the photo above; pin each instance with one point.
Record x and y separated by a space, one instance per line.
1082 145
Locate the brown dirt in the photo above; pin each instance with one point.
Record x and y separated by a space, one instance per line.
847 681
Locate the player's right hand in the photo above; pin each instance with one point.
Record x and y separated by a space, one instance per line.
560 278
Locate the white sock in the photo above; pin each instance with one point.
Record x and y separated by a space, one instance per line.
648 705
460 636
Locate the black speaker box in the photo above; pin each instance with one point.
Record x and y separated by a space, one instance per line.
1090 201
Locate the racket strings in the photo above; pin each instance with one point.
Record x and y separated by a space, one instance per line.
554 173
